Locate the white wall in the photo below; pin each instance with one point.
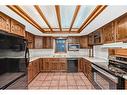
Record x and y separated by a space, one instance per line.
48 52
100 52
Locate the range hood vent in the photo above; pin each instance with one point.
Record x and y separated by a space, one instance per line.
115 45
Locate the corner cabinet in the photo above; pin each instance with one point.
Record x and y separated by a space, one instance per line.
5 22
17 28
109 33
121 28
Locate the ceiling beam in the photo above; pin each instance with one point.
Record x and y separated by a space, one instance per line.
57 7
74 16
25 16
42 15
92 16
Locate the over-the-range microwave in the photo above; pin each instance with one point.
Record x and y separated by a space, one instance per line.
73 47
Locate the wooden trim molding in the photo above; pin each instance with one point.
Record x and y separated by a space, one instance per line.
74 17
25 16
57 7
92 16
42 15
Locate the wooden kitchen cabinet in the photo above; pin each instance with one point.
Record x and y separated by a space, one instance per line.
17 28
31 40
109 33
33 69
5 22
84 42
80 65
91 39
54 64
74 40
126 84
38 42
47 42
98 37
30 72
41 64
87 69
121 28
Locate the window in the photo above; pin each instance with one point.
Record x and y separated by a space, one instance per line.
60 45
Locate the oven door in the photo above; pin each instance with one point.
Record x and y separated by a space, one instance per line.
103 79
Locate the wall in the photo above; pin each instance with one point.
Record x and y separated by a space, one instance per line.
100 52
48 52
11 54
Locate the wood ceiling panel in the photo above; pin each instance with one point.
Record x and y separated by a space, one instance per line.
57 7
50 14
43 17
74 17
92 16
25 16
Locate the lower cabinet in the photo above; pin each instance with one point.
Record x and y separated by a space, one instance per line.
33 69
86 68
53 65
125 84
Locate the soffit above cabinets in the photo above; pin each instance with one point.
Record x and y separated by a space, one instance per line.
56 18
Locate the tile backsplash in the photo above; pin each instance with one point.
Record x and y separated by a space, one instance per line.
41 52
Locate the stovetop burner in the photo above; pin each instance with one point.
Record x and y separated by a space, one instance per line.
117 71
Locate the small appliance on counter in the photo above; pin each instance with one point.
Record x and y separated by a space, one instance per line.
14 60
73 47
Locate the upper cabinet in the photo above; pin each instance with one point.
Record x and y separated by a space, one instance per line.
31 39
17 28
10 25
83 42
73 40
109 33
38 42
4 22
121 28
91 39
98 36
47 42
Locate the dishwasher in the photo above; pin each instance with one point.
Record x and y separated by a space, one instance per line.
72 65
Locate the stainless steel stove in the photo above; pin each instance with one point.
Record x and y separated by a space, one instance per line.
118 65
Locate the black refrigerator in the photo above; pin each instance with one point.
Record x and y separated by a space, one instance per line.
14 60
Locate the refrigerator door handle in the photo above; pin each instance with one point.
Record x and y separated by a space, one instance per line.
27 57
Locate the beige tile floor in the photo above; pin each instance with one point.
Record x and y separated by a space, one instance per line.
60 81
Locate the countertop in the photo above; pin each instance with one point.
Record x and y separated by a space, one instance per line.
97 61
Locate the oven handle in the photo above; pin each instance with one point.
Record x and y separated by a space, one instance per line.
111 77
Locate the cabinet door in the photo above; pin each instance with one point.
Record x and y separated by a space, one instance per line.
91 39
63 64
17 28
30 72
30 37
83 42
121 25
4 22
47 42
108 33
38 42
41 64
46 65
125 84
80 65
